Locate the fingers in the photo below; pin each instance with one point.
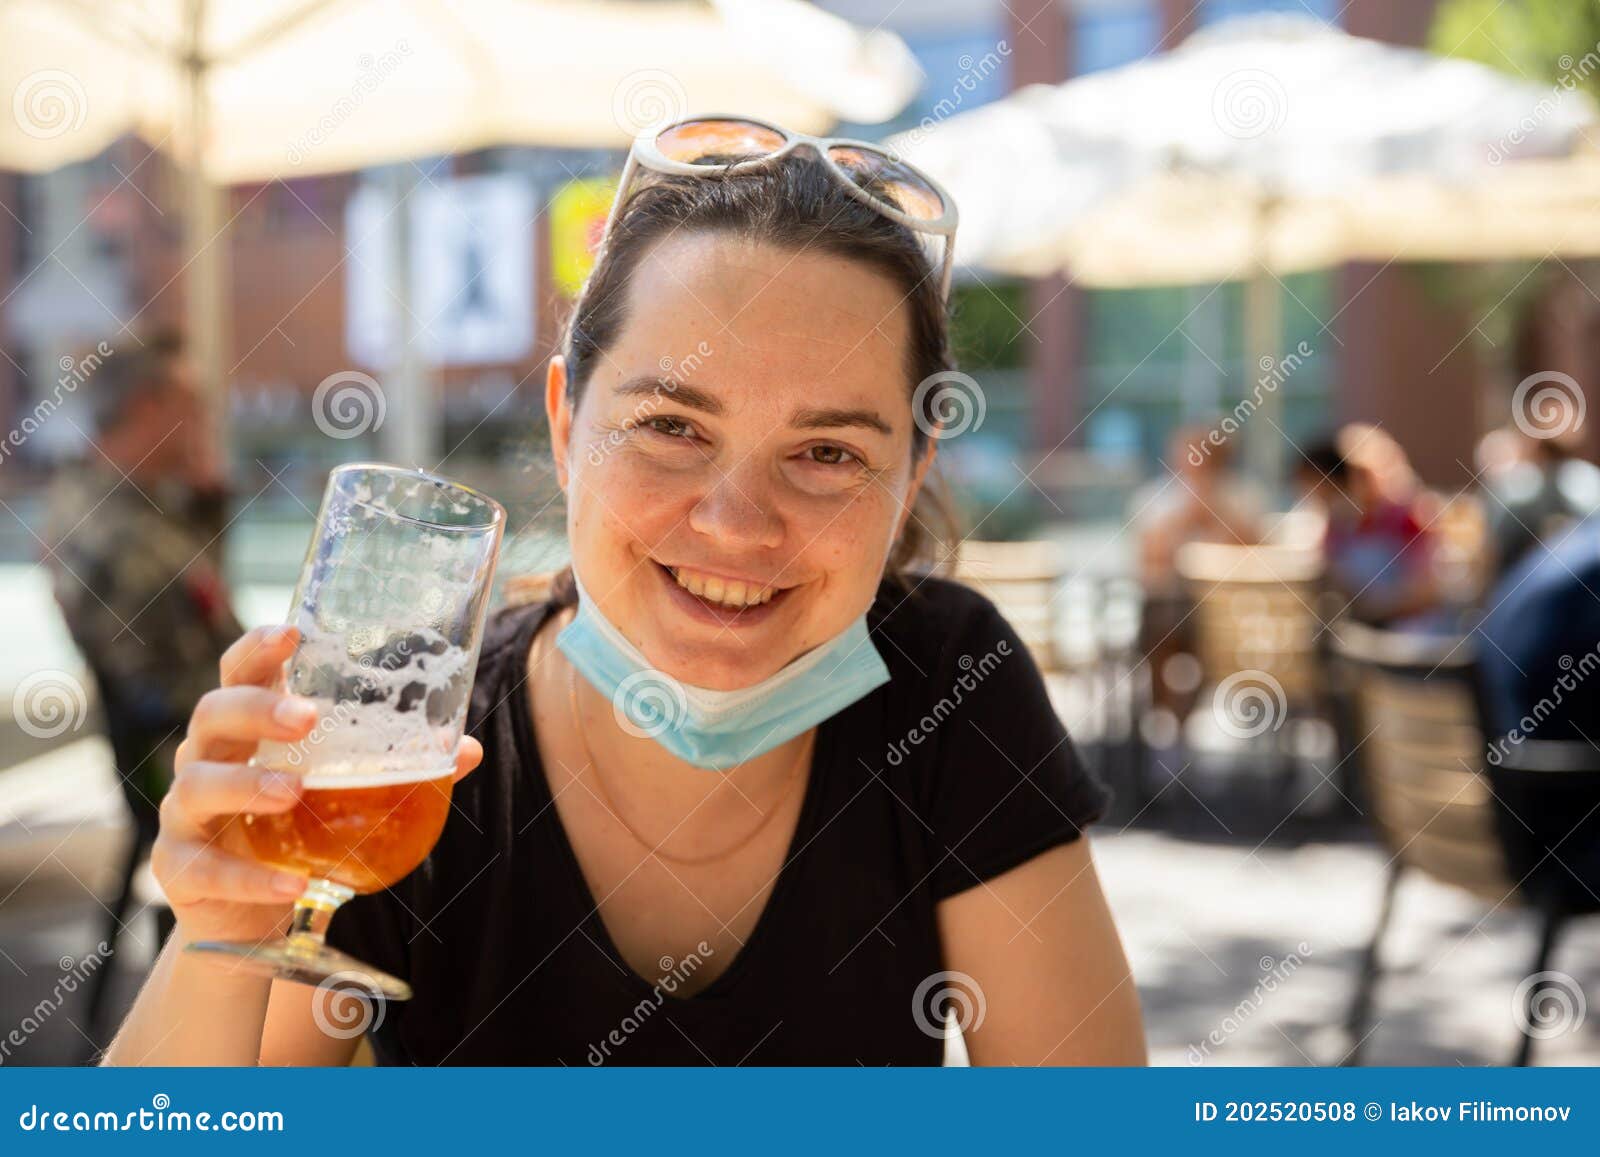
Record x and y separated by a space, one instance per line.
230 716
191 871
204 790
468 755
257 655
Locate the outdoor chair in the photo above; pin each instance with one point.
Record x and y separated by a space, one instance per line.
1022 580
1256 635
1501 829
1080 631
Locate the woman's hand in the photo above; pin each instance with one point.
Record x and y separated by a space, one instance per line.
214 893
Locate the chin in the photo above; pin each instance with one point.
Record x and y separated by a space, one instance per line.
725 676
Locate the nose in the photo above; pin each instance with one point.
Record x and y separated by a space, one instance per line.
738 510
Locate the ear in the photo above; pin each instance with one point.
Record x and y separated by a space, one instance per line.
929 453
558 412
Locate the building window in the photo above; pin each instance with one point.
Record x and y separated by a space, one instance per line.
1108 33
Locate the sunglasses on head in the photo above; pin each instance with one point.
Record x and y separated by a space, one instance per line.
703 146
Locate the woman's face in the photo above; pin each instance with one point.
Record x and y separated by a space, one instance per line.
746 441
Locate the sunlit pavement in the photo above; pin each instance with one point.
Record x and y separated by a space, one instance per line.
1242 956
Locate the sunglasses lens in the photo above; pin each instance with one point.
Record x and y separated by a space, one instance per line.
883 176
694 141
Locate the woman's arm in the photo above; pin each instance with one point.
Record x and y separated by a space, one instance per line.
193 1012
1041 946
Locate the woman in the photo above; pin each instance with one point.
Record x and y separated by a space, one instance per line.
864 810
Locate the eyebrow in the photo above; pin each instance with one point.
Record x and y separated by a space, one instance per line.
696 398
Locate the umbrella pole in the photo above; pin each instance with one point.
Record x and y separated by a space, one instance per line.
1263 331
205 250
410 432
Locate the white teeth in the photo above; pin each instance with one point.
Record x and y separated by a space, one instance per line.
722 591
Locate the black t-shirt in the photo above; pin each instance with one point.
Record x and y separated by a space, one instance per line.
953 772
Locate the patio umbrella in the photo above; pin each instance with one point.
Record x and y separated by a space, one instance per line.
1252 150
250 90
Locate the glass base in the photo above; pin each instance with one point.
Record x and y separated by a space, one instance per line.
314 964
303 957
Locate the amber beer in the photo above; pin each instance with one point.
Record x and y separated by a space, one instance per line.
365 838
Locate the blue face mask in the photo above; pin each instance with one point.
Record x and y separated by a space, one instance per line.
717 730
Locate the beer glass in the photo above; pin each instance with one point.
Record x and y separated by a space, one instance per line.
390 606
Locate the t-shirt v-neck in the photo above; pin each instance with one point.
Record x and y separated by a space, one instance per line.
950 774
542 797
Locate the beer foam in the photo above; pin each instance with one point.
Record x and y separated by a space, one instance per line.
368 773
397 720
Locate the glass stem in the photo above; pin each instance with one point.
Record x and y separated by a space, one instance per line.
312 911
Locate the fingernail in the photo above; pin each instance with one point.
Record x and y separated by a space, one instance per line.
293 712
288 884
282 634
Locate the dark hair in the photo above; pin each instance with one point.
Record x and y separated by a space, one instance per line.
1326 459
793 204
134 369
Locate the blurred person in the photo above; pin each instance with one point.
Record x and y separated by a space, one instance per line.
819 842
133 545
1543 634
1384 461
1200 499
1535 489
1378 551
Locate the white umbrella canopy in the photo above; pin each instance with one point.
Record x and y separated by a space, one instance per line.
307 86
1274 112
1522 210
1307 108
1183 228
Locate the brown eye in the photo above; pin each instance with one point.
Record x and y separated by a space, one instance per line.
830 455
669 427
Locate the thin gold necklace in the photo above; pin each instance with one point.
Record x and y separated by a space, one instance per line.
655 849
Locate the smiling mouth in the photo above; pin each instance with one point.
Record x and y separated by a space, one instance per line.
721 593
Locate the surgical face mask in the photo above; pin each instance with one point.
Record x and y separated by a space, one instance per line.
717 730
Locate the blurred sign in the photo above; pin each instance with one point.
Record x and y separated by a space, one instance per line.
471 278
577 219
